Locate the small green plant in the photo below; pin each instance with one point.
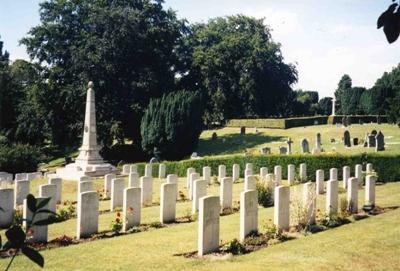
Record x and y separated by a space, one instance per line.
332 221
18 218
235 247
265 193
271 231
116 224
156 225
18 240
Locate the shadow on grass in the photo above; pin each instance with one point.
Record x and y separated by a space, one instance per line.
233 143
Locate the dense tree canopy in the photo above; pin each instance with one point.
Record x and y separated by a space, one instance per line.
171 125
125 47
240 69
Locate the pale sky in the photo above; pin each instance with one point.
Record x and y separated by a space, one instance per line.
324 38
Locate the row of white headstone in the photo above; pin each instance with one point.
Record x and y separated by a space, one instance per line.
209 207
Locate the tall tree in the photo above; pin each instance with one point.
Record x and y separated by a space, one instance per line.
236 64
7 105
126 47
344 85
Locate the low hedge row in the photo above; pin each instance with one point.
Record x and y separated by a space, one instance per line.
387 166
286 123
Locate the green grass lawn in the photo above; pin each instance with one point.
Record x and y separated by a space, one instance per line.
371 244
231 142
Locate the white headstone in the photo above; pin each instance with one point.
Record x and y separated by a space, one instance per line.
250 183
146 183
193 177
161 171
167 202
221 172
188 172
20 177
133 169
248 213
278 174
107 184
207 174
88 214
39 233
309 202
319 181
249 166
281 207
84 187
358 174
333 174
332 190
291 173
346 175
199 191
248 172
370 190
7 207
125 169
49 191
58 183
226 193
117 193
235 172
208 236
85 179
31 176
22 189
148 170
131 208
133 180
352 195
263 172
303 172
173 178
369 168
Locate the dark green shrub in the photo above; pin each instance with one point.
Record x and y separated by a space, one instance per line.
235 247
19 158
265 194
171 126
385 165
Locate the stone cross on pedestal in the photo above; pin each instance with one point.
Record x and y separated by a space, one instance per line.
289 144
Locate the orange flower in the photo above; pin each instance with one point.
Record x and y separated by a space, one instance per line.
117 220
118 214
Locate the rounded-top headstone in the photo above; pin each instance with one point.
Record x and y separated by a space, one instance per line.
90 84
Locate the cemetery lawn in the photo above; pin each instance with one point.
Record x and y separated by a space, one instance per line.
231 142
369 244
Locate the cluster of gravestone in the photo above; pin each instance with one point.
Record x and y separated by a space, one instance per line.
372 140
139 193
304 144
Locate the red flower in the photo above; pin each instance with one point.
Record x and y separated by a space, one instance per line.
117 220
118 214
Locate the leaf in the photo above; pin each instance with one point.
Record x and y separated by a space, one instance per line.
46 211
385 16
33 255
42 222
16 236
42 203
31 202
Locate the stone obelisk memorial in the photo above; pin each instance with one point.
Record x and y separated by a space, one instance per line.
89 162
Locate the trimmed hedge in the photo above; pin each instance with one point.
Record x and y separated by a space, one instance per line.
286 123
387 166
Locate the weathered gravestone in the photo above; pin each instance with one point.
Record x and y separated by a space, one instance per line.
133 169
173 178
49 191
265 150
346 175
235 172
263 172
352 195
188 172
250 182
221 172
318 142
289 145
125 169
370 190
248 213
208 235
305 146
309 202
319 181
161 171
303 172
380 142
278 174
282 150
214 136
346 139
242 130
193 177
291 173
355 141
148 170
21 190
371 143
